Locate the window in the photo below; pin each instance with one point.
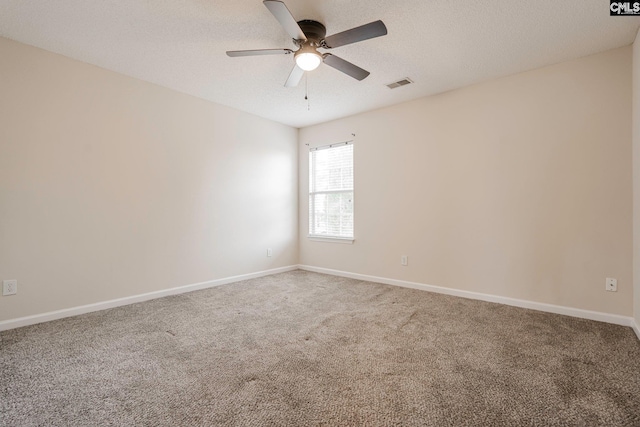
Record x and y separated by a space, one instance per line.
331 191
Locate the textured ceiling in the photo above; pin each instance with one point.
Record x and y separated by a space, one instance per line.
440 44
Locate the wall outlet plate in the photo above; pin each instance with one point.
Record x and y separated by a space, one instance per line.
611 285
9 287
404 260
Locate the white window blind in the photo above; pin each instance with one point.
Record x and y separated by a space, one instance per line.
331 191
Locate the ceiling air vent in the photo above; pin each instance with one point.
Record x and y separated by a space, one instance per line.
403 82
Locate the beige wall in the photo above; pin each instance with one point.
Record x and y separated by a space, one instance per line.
518 187
112 187
636 178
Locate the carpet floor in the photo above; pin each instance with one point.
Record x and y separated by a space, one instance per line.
302 348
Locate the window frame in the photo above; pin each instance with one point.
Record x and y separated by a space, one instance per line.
320 237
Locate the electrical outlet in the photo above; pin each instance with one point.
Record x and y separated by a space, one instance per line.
611 285
404 260
9 287
269 252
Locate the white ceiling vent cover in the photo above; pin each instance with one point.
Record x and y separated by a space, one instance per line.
403 82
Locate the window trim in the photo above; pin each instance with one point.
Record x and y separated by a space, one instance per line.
326 238
330 239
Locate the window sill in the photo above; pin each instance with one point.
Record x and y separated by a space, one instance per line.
343 240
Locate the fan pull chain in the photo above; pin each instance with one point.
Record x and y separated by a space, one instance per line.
306 90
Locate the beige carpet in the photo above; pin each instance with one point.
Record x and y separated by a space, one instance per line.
302 348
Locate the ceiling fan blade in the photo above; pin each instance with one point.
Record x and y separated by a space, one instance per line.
294 77
354 35
257 52
284 17
345 66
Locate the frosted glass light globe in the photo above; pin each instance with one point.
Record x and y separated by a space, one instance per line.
308 61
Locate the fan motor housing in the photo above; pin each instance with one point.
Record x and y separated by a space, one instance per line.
314 30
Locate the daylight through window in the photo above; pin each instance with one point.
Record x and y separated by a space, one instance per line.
331 191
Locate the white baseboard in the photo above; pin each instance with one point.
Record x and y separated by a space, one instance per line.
636 328
74 311
549 308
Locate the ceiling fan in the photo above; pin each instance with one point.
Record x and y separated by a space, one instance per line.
308 36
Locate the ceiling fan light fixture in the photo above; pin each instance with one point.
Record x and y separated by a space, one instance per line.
309 36
308 58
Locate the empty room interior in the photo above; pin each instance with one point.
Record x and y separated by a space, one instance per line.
320 213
